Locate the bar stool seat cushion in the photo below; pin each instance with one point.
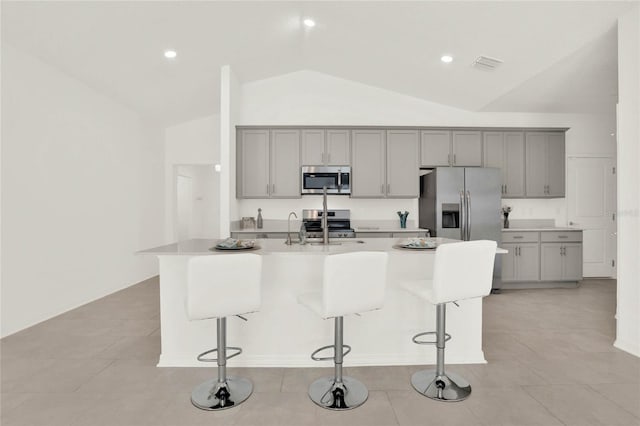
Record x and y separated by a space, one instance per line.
352 283
223 285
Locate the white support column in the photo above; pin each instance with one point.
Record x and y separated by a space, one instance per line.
628 306
229 96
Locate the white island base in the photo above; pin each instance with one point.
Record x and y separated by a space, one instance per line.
284 333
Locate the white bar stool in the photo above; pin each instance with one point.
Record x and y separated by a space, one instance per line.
352 283
219 286
461 271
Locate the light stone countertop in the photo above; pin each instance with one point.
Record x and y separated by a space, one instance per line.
539 229
196 247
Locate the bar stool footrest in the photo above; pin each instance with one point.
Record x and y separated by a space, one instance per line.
327 358
447 337
202 358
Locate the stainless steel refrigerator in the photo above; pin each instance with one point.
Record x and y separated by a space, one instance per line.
463 203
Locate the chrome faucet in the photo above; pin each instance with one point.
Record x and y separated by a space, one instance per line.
325 214
289 242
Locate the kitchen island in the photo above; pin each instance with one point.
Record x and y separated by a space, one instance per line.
284 333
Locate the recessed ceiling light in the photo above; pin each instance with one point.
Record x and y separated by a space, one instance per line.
309 22
170 54
446 59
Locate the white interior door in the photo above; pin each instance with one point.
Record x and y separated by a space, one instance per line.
591 199
184 192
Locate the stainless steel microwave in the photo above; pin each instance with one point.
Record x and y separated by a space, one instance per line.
337 179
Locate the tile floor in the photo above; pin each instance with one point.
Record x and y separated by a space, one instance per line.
550 353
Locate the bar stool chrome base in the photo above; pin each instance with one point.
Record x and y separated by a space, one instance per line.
449 387
213 396
349 394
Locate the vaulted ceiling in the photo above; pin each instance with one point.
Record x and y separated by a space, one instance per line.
559 56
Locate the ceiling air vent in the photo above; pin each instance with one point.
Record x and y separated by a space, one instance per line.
486 63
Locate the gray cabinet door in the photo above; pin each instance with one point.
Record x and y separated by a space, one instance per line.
435 146
572 262
402 164
285 164
253 176
555 165
338 148
494 150
513 164
466 148
552 262
313 147
536 164
528 262
368 164
509 262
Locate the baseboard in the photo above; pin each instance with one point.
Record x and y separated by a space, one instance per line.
632 348
306 361
537 284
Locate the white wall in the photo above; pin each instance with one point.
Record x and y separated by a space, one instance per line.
196 142
81 192
628 308
229 112
312 98
205 214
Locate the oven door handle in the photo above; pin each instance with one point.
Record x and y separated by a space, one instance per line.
339 181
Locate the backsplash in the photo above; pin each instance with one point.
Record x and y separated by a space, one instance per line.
361 209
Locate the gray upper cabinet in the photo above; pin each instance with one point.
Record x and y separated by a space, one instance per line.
313 147
435 146
253 164
268 163
285 163
505 151
368 178
466 148
402 164
450 148
545 164
338 152
329 147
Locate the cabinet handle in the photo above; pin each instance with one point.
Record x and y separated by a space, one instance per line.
388 188
505 189
517 251
382 188
454 159
328 157
323 158
274 188
518 237
267 189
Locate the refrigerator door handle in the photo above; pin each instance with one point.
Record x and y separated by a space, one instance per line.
463 219
468 215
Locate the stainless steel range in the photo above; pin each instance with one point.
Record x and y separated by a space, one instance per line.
339 223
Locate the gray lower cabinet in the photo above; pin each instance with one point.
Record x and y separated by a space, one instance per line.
542 256
505 151
545 164
268 163
561 261
522 263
